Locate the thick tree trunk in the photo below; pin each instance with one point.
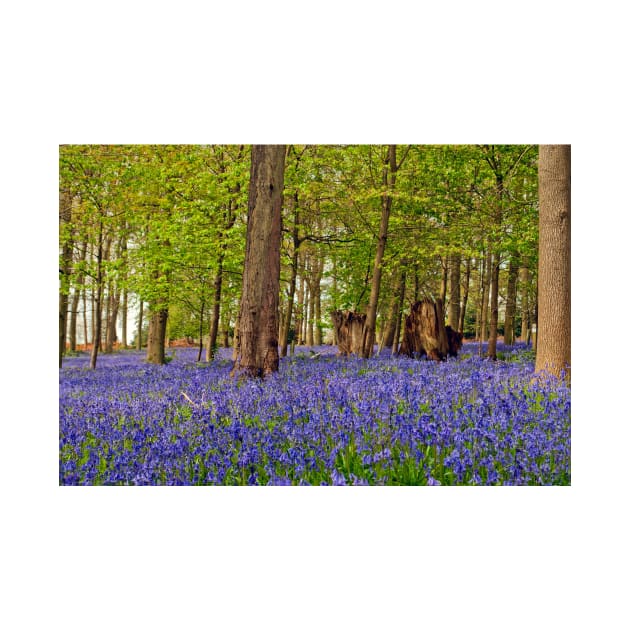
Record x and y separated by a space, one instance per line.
156 344
553 353
510 304
389 181
258 352
454 306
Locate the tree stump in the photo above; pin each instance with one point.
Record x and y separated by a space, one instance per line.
425 333
349 330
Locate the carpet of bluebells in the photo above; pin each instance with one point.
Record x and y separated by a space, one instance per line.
321 420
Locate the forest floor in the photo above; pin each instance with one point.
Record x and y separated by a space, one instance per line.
321 420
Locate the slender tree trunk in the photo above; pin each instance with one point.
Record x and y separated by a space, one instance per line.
139 335
553 353
216 311
74 307
258 351
444 280
510 304
399 312
201 313
123 316
317 298
524 273
65 220
299 313
494 307
98 298
389 181
462 314
485 294
284 336
310 318
85 324
454 307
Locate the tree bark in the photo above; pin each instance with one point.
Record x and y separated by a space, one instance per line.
389 181
258 352
553 354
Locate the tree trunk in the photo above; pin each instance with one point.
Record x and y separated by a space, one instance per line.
462 314
139 335
399 311
284 335
65 221
110 337
85 324
216 311
299 313
510 304
485 294
389 181
156 344
96 338
553 353
524 273
258 353
201 310
454 306
444 279
123 316
318 312
310 318
494 308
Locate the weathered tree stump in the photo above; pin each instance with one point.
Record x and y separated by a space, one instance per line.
425 333
349 329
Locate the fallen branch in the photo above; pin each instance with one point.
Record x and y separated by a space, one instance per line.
192 402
